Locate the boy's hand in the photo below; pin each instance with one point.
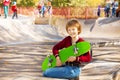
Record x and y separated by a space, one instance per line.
58 61
71 59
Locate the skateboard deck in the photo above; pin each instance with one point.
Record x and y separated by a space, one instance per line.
77 49
49 62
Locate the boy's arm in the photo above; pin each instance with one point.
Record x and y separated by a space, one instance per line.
57 47
84 58
60 45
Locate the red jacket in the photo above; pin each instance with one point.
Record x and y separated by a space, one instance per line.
39 7
6 2
14 8
66 42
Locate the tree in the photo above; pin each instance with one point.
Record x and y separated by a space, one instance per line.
81 3
60 3
27 3
119 2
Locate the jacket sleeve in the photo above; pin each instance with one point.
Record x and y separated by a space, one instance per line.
85 57
57 47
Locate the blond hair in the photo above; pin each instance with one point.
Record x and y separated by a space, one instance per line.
74 23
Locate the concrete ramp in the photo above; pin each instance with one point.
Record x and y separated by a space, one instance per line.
23 61
105 28
93 29
23 31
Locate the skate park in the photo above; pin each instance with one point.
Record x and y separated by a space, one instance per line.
24 45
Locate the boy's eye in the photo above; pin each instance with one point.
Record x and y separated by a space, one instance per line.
73 29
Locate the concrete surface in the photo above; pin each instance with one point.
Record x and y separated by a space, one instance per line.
24 45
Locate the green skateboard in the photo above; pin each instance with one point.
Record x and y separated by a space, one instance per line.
49 62
77 49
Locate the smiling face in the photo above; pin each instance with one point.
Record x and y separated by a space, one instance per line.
73 28
72 31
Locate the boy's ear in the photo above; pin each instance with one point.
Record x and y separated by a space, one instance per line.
79 32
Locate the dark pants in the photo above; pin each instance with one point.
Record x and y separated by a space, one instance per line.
14 15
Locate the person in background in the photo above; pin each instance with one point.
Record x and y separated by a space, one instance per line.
105 12
116 4
108 9
113 9
39 8
43 9
99 11
116 7
14 9
49 8
6 4
118 12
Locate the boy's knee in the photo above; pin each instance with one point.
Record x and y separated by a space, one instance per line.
45 74
74 73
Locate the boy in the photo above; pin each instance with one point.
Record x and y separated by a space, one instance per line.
43 9
49 8
39 8
14 9
71 69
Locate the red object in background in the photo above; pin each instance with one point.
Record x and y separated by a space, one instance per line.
14 8
6 2
39 7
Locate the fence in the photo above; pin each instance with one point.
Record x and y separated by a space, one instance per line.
68 12
76 12
21 10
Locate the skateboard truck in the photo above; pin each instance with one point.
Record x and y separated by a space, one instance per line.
49 60
75 49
